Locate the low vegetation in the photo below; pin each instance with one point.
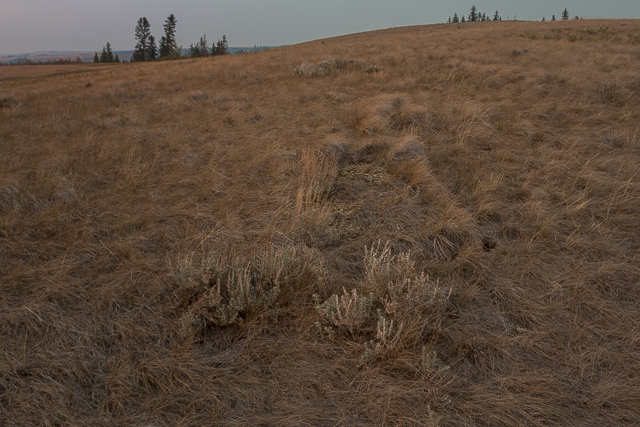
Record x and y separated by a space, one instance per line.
433 225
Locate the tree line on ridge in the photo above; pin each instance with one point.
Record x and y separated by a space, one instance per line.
475 16
147 50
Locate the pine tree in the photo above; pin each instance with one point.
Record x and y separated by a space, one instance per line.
223 46
153 49
96 58
543 19
143 33
109 52
462 19
449 20
116 60
194 50
565 14
553 17
455 18
496 16
168 45
103 56
473 14
204 46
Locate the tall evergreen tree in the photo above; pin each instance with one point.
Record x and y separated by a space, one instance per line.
194 50
462 19
143 34
168 45
223 46
496 16
116 60
110 52
153 49
473 14
455 18
553 17
96 58
565 14
204 46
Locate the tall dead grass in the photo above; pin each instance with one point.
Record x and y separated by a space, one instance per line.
419 226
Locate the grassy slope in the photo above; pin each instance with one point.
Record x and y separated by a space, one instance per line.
503 156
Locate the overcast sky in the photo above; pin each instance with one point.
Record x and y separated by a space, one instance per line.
87 25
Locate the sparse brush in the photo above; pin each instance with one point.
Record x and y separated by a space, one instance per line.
413 296
229 291
411 304
333 64
309 69
387 338
348 313
378 265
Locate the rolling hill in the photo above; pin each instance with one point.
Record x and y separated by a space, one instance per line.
421 226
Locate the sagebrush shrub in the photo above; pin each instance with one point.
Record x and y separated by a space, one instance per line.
231 290
347 313
405 304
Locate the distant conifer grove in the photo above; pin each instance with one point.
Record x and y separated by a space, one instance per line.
475 16
147 50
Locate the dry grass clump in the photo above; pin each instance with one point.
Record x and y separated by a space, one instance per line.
449 240
8 101
391 114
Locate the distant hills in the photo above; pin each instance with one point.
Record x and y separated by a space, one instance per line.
84 56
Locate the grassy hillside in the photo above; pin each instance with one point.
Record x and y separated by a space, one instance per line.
430 226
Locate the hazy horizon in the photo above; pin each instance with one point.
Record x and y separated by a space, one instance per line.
28 26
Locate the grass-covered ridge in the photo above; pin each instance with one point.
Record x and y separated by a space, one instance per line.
419 226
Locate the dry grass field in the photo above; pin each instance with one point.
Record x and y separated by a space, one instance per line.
22 75
424 226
